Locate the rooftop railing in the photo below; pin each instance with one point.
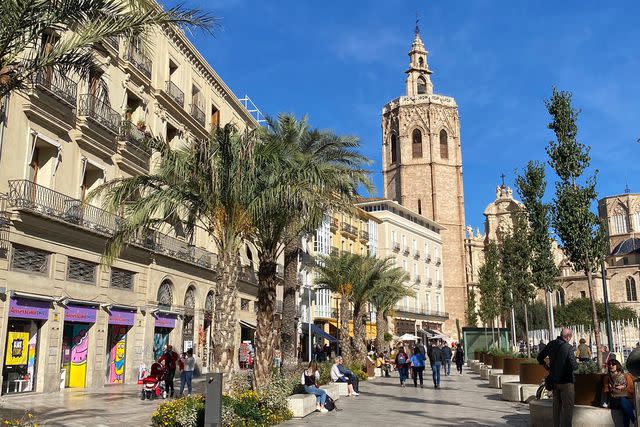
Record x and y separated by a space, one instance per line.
99 111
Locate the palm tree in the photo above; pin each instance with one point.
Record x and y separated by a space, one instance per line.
204 185
338 273
292 186
28 29
386 293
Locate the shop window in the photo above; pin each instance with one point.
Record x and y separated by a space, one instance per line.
81 271
121 279
29 260
244 304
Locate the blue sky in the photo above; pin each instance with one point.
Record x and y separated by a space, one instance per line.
340 62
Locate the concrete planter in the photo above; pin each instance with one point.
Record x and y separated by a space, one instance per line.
512 365
586 387
532 373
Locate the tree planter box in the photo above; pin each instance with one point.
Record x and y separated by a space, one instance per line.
512 365
587 388
497 362
532 373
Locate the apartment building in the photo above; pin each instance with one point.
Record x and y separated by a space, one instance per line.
415 243
66 320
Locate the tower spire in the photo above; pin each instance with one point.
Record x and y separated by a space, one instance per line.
417 21
418 81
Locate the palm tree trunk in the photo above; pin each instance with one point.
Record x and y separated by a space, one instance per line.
225 315
594 313
345 316
381 329
288 328
266 334
359 334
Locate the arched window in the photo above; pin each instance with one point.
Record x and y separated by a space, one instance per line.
560 297
208 306
620 223
416 143
394 148
631 289
444 144
165 293
190 298
422 84
421 61
420 208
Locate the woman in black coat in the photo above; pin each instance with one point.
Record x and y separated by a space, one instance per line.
459 358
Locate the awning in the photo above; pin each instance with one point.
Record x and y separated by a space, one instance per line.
317 331
247 325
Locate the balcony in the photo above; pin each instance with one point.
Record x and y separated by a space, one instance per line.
406 311
30 197
113 42
439 282
416 279
429 281
334 224
364 236
59 86
175 93
139 60
395 247
325 312
198 114
406 250
438 261
416 254
133 135
100 112
349 230
427 258
335 251
247 274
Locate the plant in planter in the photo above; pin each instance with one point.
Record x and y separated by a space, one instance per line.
588 383
531 372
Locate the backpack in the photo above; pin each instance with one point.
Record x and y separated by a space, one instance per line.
401 359
329 404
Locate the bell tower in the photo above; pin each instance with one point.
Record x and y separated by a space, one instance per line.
422 168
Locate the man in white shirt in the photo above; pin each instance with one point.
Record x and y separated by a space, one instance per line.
338 376
189 366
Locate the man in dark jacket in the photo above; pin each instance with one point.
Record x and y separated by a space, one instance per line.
437 359
169 358
562 365
447 355
421 348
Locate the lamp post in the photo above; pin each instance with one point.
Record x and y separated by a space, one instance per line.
309 317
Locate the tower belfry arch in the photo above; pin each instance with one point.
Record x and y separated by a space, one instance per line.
425 173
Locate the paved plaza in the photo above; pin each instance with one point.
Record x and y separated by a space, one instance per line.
462 400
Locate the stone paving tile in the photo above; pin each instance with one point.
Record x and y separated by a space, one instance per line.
462 401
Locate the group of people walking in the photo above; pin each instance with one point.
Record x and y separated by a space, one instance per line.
439 355
186 364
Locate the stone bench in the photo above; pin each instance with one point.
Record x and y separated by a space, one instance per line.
484 372
343 389
541 415
512 391
332 389
496 380
477 367
377 372
301 405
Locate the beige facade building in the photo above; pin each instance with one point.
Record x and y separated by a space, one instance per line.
415 242
62 311
422 168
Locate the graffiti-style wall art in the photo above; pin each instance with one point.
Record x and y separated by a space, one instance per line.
160 341
117 353
74 358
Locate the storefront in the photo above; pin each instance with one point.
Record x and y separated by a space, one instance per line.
78 319
19 369
164 324
120 322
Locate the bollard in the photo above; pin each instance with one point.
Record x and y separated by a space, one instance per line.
213 400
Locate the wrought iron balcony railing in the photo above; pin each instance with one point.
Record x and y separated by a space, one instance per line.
175 93
416 254
429 281
247 274
364 235
422 311
334 224
349 229
99 111
58 85
395 247
438 261
427 258
139 60
29 196
197 113
132 134
416 278
405 250
325 312
439 282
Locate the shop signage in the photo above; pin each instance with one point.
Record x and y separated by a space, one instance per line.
121 317
165 320
29 308
80 314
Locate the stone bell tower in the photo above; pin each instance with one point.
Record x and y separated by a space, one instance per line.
422 168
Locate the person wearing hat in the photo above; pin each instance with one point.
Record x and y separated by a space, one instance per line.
584 352
618 388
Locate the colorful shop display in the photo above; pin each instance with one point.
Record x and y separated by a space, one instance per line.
120 321
75 343
164 323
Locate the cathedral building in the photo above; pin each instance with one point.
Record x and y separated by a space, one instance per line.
422 168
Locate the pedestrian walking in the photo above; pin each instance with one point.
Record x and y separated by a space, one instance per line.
417 367
584 352
561 367
170 358
459 358
447 354
402 365
436 359
421 348
186 377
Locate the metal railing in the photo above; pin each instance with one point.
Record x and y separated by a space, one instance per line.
58 85
4 225
395 247
139 60
405 250
348 228
99 111
429 281
113 41
427 258
334 224
29 196
325 312
438 261
416 254
132 134
175 93
364 235
247 274
197 113
422 311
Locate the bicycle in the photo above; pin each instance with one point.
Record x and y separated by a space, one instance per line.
543 393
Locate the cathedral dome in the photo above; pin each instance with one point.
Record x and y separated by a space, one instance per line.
628 246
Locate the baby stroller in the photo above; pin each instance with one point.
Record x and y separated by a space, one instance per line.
153 384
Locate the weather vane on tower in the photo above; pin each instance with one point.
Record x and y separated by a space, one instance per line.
417 22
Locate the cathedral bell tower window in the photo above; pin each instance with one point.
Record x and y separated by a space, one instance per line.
422 84
444 145
394 148
416 143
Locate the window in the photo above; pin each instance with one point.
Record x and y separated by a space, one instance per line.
215 117
404 265
81 271
44 159
29 260
631 289
415 271
427 301
560 297
165 294
444 145
583 294
636 221
394 148
244 304
121 279
416 144
620 224
393 237
404 241
426 274
426 250
415 245
421 64
438 302
419 207
422 83
92 177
